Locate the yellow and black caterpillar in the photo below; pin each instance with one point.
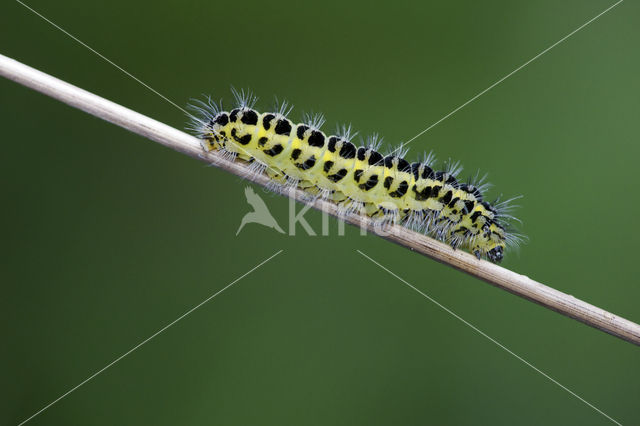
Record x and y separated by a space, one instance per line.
358 179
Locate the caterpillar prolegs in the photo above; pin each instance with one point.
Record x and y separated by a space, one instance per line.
385 187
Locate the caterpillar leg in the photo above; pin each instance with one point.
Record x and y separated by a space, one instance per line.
348 206
228 155
312 193
385 217
277 181
256 167
414 220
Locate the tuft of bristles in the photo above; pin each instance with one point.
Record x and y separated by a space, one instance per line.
245 99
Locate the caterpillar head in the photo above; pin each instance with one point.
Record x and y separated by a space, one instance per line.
491 242
496 254
494 251
497 243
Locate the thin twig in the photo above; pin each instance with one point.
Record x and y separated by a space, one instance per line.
175 139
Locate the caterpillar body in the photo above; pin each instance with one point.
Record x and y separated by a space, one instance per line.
359 179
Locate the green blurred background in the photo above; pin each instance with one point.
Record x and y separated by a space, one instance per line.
108 237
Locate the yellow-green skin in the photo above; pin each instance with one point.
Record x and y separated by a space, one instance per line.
388 188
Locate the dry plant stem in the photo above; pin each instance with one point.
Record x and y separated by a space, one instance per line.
182 142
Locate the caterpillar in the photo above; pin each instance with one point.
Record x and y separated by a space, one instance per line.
358 178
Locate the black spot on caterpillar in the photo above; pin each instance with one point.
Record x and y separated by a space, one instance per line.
369 184
411 194
316 139
283 127
277 149
266 121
